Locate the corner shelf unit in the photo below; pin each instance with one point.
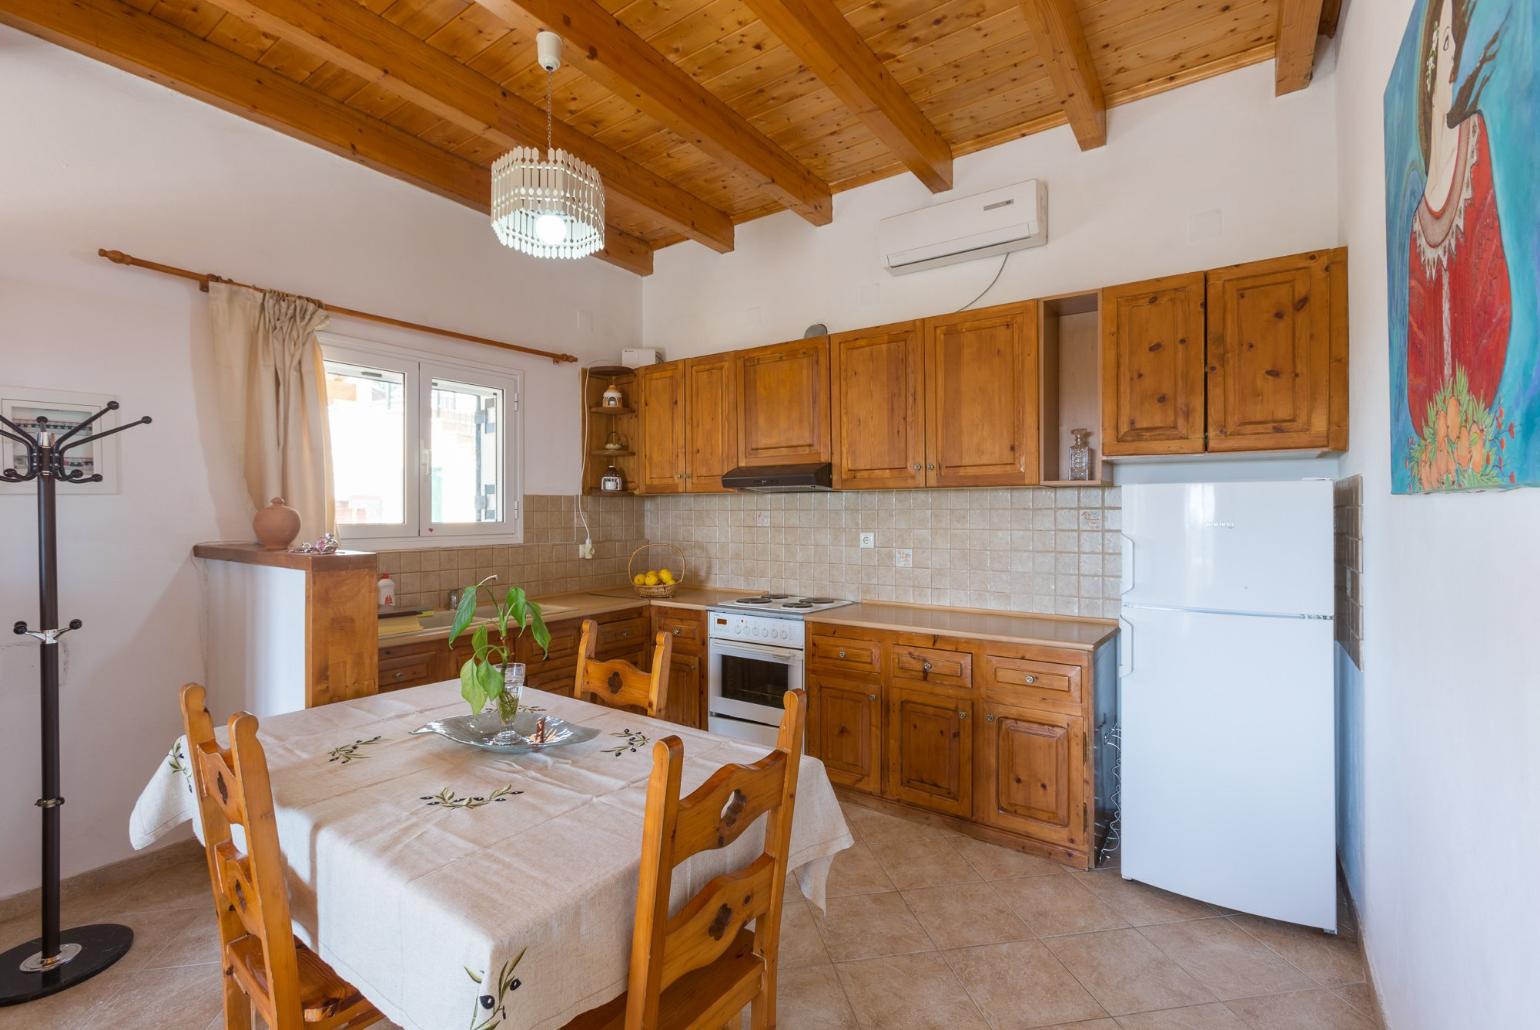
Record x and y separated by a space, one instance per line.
1070 343
599 421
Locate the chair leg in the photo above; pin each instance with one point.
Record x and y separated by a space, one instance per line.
762 1010
237 1006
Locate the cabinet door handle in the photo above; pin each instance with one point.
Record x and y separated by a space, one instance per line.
677 629
925 667
917 468
871 697
930 467
962 713
989 718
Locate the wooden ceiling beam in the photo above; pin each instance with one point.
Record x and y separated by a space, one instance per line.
817 32
1299 22
628 66
371 47
127 38
1060 37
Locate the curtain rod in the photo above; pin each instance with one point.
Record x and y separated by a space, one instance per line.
203 279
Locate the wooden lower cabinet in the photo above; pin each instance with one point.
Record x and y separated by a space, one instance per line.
1033 774
930 750
686 704
993 735
844 729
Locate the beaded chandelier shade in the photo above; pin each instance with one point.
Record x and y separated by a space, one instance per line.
547 205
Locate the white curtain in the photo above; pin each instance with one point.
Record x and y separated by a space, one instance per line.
273 395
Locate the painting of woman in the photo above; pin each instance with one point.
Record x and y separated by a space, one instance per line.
1457 320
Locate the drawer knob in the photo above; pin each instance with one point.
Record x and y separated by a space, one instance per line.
989 718
400 675
676 630
925 666
962 714
871 697
842 654
1031 678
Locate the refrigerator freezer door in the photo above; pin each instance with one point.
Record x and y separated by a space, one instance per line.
1242 547
1228 764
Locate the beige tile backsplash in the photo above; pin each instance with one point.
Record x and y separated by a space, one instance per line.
546 563
1035 549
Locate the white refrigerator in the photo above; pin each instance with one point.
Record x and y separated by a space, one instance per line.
1227 695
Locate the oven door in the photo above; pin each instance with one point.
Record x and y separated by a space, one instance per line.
746 682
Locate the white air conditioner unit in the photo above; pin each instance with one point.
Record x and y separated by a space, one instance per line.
1010 218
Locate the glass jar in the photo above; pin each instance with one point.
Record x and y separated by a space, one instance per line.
1080 455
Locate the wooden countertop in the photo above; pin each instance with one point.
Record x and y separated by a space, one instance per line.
255 554
1045 630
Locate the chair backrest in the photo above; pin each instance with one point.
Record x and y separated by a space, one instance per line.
619 684
714 815
250 892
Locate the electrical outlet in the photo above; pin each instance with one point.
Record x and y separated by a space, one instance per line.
903 558
586 549
868 539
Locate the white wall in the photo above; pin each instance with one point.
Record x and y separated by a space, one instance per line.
1450 694
95 158
1214 173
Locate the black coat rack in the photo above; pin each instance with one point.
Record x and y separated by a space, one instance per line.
58 959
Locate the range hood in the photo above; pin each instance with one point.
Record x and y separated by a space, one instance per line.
781 479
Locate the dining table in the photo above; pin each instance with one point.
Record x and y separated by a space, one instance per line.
460 887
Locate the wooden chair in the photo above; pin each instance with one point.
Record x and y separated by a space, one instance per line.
264 966
701 967
619 684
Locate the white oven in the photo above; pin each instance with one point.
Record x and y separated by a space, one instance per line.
751 662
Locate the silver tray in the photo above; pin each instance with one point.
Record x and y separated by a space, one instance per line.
486 731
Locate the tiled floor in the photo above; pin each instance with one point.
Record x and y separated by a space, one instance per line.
925 928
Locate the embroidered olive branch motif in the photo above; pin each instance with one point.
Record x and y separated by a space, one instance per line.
491 1009
176 761
447 798
633 740
347 752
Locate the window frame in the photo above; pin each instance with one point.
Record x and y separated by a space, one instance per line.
419 367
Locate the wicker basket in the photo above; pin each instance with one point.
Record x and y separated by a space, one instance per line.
676 566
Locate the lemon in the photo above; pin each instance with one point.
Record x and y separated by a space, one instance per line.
652 579
639 578
665 575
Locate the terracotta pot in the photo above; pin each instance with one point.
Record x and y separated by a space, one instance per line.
276 525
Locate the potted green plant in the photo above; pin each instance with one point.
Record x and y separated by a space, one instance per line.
484 676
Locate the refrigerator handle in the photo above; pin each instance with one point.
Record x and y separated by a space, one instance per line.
1127 582
1125 647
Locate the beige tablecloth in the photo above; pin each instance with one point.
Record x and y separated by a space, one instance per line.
457 887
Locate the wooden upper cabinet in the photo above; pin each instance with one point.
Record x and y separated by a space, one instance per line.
783 403
1152 367
981 426
878 407
660 393
1273 355
712 414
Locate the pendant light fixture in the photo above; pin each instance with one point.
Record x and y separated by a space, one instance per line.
550 205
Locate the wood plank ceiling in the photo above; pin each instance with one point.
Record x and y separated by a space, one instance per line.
699 114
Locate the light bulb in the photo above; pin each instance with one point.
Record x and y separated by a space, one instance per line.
551 228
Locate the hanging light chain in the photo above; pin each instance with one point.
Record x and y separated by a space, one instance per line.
549 148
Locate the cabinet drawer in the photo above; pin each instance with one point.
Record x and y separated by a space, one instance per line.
688 628
421 647
412 670
1032 682
554 677
845 654
931 665
627 634
564 642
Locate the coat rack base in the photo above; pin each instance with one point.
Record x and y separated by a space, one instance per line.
100 944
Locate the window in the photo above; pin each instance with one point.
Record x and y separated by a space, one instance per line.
422 449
